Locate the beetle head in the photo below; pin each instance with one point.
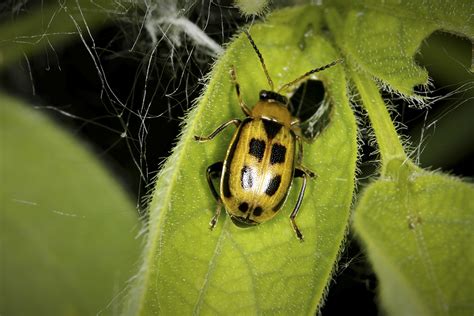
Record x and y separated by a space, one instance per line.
266 95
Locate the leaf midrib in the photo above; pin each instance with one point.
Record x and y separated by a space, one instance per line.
211 267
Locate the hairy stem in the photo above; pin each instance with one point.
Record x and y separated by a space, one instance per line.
387 138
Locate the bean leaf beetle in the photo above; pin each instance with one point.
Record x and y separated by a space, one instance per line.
263 157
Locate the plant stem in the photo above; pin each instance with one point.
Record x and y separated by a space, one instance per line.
387 138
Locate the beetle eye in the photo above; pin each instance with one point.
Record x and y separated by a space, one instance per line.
271 95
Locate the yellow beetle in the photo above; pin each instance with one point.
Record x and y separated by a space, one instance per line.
263 157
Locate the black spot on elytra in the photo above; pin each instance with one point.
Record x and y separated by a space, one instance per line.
246 179
257 148
257 211
273 185
243 207
278 154
271 128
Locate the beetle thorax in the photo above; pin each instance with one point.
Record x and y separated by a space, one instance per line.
272 110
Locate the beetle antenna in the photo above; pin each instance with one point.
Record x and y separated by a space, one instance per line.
309 73
270 82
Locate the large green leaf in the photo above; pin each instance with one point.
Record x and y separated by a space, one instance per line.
67 230
418 231
416 225
263 270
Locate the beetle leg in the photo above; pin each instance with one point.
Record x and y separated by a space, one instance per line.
299 159
214 171
300 174
243 106
217 131
214 218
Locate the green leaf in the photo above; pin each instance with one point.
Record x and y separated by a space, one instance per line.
452 16
68 231
263 270
418 232
382 39
416 225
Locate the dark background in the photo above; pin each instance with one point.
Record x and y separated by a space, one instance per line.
63 83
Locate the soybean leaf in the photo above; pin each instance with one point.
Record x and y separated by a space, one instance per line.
418 231
263 270
67 230
416 224
382 39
